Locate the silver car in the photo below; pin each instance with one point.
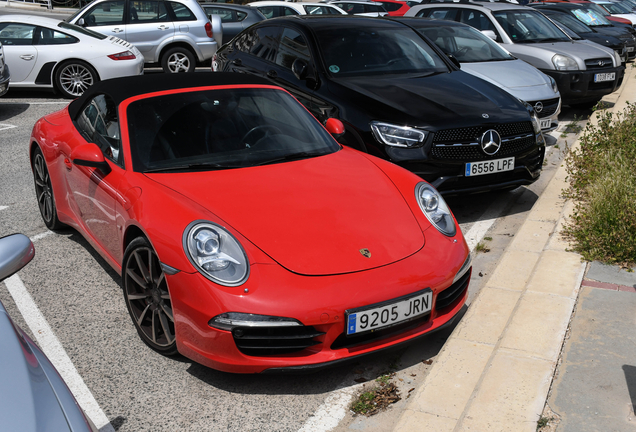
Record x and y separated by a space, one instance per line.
173 33
584 71
33 397
5 75
480 56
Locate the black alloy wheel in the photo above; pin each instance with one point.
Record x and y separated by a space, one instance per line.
148 298
44 191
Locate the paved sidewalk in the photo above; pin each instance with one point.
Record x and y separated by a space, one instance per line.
495 371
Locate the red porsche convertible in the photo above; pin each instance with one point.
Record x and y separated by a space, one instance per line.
247 238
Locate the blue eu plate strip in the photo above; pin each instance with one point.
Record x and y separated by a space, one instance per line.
351 325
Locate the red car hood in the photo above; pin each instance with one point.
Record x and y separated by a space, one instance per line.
312 216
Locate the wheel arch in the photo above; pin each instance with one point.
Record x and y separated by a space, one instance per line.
178 44
132 232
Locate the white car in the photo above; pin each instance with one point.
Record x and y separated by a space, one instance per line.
49 53
273 9
362 8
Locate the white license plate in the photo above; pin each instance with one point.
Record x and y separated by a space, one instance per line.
386 314
600 77
489 167
545 123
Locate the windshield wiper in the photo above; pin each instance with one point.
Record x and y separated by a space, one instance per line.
291 156
196 166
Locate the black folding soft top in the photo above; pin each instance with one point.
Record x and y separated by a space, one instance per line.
120 89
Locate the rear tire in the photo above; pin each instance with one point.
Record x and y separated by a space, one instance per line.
177 60
44 191
73 77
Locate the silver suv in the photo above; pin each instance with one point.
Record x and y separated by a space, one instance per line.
583 70
174 33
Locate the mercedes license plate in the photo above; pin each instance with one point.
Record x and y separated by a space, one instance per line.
600 77
489 167
386 314
545 123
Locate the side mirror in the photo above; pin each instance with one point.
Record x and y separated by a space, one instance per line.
15 252
300 69
491 34
81 22
90 155
454 60
335 127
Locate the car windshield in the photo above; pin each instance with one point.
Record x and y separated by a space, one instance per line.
529 27
466 44
220 129
81 30
616 8
377 51
570 22
590 17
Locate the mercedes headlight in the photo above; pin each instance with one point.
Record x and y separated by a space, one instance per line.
215 253
435 209
563 62
553 83
397 136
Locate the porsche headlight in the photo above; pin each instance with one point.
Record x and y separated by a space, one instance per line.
397 136
435 209
563 62
553 83
216 253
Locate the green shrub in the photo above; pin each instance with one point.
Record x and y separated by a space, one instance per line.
603 186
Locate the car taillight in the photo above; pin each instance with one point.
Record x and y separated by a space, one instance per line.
208 29
126 55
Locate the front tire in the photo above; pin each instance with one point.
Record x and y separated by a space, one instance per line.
73 77
177 60
44 191
147 297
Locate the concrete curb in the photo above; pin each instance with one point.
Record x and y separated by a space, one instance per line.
495 370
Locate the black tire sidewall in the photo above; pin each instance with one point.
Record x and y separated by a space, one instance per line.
58 72
142 242
54 223
187 52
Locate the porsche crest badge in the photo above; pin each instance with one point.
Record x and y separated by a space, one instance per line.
365 253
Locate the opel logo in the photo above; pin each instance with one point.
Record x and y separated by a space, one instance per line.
365 253
490 142
538 107
484 115
601 63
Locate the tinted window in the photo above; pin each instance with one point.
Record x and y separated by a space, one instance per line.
99 123
391 7
148 12
477 19
47 36
16 34
82 30
373 8
466 44
106 13
570 22
321 10
260 42
181 12
355 52
276 11
442 14
529 26
292 46
226 128
351 8
226 15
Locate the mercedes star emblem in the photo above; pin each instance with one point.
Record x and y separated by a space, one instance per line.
484 115
490 142
365 253
601 63
538 107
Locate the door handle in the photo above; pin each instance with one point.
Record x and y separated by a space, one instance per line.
27 57
272 74
163 27
117 30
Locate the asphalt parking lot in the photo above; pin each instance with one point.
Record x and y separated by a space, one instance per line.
132 387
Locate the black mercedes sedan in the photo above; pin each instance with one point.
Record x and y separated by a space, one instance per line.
398 96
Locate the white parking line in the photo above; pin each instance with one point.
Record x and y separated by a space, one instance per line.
4 126
331 412
4 207
53 349
40 236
